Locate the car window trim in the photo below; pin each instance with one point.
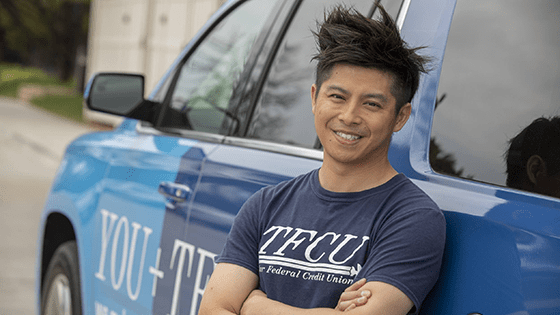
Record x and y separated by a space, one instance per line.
278 41
269 146
401 15
146 128
313 153
268 64
241 91
184 58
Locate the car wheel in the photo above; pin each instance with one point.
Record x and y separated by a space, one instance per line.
61 290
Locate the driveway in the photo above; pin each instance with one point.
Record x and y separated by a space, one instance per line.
32 143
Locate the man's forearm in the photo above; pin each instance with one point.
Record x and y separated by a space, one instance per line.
217 308
382 298
215 312
257 304
228 288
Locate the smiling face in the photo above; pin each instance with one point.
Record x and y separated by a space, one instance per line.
355 116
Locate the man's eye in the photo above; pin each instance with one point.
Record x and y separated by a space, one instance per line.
336 96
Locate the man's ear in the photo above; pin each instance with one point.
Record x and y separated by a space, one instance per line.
402 117
535 167
313 98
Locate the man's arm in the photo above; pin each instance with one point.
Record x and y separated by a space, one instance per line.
353 296
384 299
230 285
227 289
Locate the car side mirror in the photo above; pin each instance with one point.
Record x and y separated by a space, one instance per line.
119 94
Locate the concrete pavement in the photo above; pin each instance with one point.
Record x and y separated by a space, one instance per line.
32 143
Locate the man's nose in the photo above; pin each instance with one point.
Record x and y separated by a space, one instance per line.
350 114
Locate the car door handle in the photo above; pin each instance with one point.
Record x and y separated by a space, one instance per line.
175 191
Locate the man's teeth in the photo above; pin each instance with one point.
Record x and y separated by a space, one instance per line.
347 137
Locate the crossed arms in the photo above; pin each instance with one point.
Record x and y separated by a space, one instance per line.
233 290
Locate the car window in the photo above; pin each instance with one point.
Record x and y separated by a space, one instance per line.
208 78
500 74
283 112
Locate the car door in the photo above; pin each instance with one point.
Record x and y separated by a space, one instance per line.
199 105
138 197
499 74
143 261
276 144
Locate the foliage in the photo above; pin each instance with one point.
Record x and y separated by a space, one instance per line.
12 76
66 106
43 33
441 161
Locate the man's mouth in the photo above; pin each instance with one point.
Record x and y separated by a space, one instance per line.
347 136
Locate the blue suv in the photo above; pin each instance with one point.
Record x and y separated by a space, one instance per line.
136 215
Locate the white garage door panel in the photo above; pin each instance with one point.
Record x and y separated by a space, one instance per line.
143 36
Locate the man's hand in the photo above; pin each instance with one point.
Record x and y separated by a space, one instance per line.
254 297
228 287
353 297
232 290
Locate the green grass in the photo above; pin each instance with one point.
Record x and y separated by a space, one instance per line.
13 75
66 106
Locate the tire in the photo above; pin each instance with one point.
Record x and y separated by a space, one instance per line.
61 294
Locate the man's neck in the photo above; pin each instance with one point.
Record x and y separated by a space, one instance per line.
353 178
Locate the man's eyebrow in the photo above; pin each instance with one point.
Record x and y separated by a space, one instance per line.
338 88
378 96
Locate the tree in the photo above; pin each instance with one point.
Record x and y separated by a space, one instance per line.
9 19
441 161
45 33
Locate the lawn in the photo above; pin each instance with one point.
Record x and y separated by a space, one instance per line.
12 76
66 106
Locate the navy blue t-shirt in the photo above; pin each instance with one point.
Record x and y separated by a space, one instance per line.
308 244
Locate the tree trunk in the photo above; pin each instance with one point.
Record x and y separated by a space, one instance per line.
2 43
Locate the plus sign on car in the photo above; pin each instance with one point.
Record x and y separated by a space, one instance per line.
137 216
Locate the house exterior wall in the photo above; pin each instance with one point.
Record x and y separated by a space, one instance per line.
141 36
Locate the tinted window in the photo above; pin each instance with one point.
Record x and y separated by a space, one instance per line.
500 73
208 78
283 113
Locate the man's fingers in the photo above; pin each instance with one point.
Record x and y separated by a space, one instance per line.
352 306
358 300
343 306
361 301
356 285
347 296
350 300
365 293
353 297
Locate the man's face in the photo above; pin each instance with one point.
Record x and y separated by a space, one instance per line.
355 115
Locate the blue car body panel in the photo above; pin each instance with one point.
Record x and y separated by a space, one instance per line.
142 252
503 246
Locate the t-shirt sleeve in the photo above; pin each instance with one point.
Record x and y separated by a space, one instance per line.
241 247
407 253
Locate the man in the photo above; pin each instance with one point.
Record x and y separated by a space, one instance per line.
294 248
533 158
